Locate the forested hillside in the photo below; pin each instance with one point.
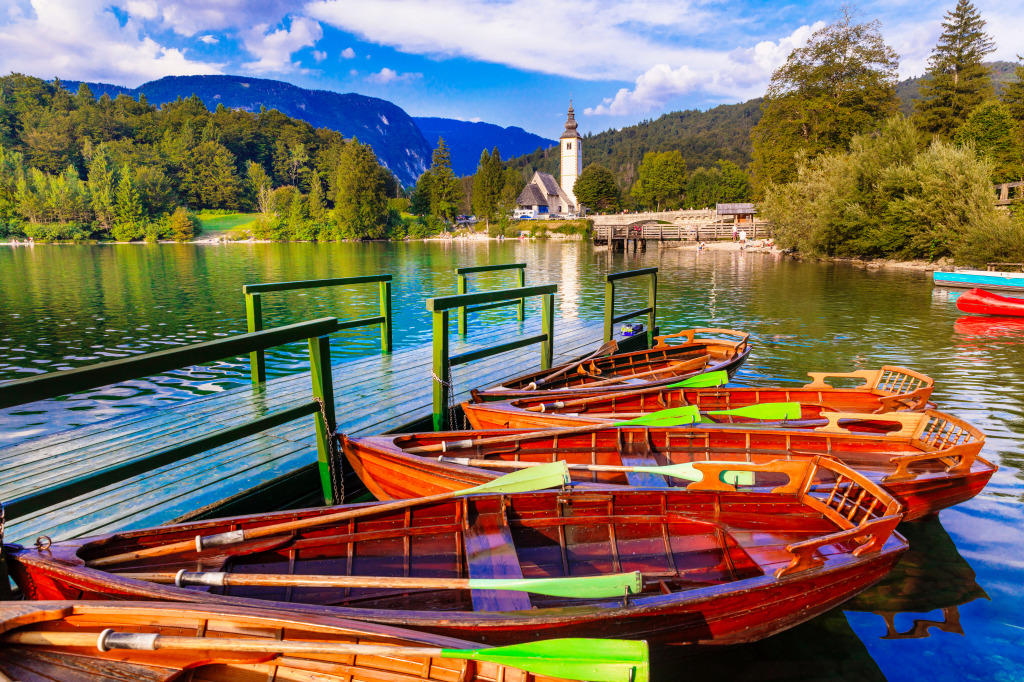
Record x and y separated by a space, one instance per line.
386 127
74 166
703 138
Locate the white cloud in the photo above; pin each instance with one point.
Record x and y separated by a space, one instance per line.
319 56
275 49
740 74
83 40
209 39
348 53
386 75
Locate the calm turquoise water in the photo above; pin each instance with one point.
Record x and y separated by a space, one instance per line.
953 610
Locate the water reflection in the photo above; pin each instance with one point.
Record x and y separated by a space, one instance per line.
931 576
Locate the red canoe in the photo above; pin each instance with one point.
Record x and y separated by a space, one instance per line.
981 302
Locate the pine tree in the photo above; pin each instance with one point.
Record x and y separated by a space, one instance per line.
957 80
445 192
127 208
101 182
488 183
420 204
360 205
1013 93
317 212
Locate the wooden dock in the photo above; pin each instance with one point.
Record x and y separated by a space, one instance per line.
275 468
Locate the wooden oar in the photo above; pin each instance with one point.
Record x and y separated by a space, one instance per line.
675 416
681 366
684 470
582 587
603 350
719 377
553 477
588 660
762 411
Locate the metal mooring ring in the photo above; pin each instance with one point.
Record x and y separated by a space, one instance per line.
40 545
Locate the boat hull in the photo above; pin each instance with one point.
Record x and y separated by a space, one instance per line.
981 302
759 599
981 279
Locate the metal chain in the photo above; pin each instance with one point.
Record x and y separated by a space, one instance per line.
450 414
334 463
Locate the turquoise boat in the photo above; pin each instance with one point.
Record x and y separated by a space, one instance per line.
980 279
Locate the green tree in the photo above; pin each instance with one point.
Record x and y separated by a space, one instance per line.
317 210
488 184
361 204
661 179
445 191
1013 93
183 225
102 185
208 176
420 204
595 188
262 191
840 84
991 131
957 80
723 183
127 209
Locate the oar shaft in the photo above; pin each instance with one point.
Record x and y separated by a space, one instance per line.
498 440
218 578
509 464
671 367
150 642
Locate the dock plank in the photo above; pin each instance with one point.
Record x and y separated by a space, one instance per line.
373 394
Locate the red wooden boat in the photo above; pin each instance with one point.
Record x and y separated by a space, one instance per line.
47 640
674 357
884 390
930 463
981 302
718 566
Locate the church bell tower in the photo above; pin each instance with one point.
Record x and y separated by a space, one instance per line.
572 156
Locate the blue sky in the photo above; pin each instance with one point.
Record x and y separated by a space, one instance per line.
510 62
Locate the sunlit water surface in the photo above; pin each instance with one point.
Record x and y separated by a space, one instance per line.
952 610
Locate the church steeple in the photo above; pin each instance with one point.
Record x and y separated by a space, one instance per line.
571 143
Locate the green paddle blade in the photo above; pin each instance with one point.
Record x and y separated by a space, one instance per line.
765 411
689 472
551 475
673 416
588 587
588 660
706 380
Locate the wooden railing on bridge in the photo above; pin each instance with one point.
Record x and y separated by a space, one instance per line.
671 232
611 319
1009 192
464 311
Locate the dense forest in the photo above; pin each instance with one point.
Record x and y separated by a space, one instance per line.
73 166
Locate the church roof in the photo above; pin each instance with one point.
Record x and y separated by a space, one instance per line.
548 182
531 196
570 125
543 190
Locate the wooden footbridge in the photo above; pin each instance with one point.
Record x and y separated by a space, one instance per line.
269 445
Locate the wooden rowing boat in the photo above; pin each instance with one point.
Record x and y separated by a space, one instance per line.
884 390
930 463
57 640
674 357
718 566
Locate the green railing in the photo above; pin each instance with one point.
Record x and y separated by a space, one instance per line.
55 384
441 306
254 312
465 310
611 319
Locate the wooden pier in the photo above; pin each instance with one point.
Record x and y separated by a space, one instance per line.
619 237
265 446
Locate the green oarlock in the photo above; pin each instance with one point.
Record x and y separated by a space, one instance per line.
764 411
584 587
706 380
551 475
588 660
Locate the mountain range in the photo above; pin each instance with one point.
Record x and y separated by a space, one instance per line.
401 143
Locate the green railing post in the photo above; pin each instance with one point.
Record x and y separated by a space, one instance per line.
463 315
386 343
609 309
547 327
441 369
254 318
521 313
652 303
323 389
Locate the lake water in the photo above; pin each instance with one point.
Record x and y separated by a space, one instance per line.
952 611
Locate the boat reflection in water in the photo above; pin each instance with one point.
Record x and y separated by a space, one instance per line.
989 325
930 576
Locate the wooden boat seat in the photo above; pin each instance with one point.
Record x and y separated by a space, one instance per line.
639 454
491 553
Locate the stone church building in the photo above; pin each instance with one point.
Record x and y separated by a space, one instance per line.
543 196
